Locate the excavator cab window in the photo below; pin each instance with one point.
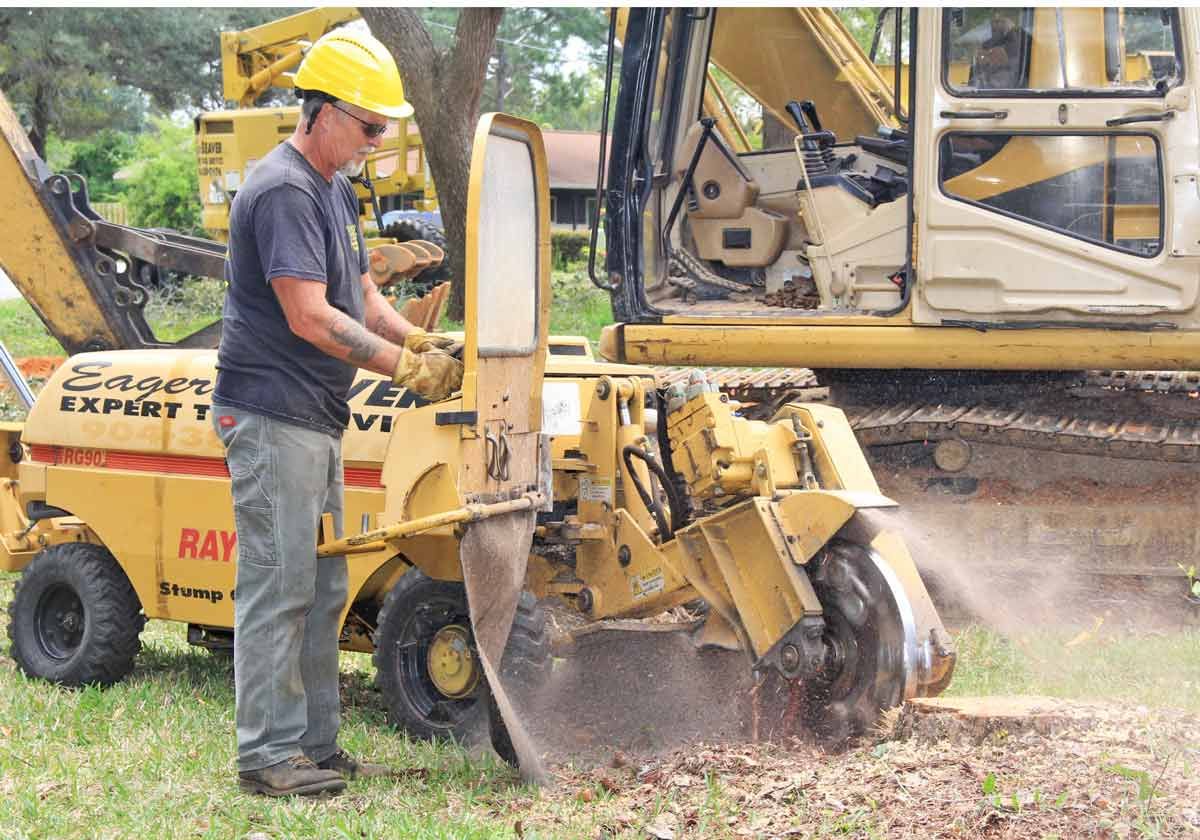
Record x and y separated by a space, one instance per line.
773 150
1060 51
1100 187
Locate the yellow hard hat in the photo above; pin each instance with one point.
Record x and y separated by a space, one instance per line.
355 68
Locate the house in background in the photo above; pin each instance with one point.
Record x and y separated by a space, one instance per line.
572 157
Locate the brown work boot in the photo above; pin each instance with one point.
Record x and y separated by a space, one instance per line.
351 768
295 776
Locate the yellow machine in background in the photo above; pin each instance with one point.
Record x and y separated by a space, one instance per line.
229 142
118 509
999 283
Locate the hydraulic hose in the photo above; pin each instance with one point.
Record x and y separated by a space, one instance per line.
652 504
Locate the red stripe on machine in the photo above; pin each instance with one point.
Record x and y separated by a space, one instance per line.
173 464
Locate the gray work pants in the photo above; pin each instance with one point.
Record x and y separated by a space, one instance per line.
287 603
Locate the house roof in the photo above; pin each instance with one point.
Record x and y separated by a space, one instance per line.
572 157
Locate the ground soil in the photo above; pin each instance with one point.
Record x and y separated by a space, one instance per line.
1085 770
39 367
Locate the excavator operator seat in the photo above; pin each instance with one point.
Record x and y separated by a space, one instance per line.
725 223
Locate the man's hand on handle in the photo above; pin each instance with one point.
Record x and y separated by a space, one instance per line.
432 374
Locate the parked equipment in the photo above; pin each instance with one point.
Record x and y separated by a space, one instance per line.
997 279
231 141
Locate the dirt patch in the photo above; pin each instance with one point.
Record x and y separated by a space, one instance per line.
39 367
1121 772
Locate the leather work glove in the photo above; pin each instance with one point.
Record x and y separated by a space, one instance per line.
433 375
419 341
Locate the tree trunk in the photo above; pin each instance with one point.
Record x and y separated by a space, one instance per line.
501 75
40 120
976 719
445 89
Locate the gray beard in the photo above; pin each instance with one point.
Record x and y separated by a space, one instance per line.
352 169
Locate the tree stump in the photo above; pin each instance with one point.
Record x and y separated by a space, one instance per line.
977 719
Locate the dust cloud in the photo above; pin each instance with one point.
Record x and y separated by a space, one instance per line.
631 689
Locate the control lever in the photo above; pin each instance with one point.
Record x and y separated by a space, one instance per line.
796 111
810 110
805 116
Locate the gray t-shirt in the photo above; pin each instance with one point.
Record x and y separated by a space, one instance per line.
288 221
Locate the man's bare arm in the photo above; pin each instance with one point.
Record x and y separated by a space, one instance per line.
381 317
334 332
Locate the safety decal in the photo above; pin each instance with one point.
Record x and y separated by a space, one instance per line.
595 490
647 584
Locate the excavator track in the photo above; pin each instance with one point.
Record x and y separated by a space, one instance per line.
1073 498
1139 439
751 385
1081 495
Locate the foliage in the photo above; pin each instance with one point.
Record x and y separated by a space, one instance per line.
79 70
526 74
48 71
163 187
97 158
578 307
860 22
571 102
747 110
567 247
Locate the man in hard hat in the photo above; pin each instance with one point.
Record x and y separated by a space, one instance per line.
301 316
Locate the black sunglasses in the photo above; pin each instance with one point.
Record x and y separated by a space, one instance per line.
369 128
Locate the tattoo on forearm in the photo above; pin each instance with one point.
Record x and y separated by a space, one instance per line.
354 336
383 328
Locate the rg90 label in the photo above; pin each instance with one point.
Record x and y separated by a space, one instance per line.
76 457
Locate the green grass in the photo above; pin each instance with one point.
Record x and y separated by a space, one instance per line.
175 311
23 332
178 309
579 308
1160 669
154 755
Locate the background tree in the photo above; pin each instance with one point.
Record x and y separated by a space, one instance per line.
527 54
457 63
97 158
163 188
444 85
83 70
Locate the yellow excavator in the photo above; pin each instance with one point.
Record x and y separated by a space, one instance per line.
985 243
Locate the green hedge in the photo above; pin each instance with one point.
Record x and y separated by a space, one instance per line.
568 247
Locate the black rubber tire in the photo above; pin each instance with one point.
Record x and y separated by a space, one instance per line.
412 612
526 664
409 229
74 618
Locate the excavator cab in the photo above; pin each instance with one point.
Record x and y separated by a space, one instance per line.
1027 183
989 256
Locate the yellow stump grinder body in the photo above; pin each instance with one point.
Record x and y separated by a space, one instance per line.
547 476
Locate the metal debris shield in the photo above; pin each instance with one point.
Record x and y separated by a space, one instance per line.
494 553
